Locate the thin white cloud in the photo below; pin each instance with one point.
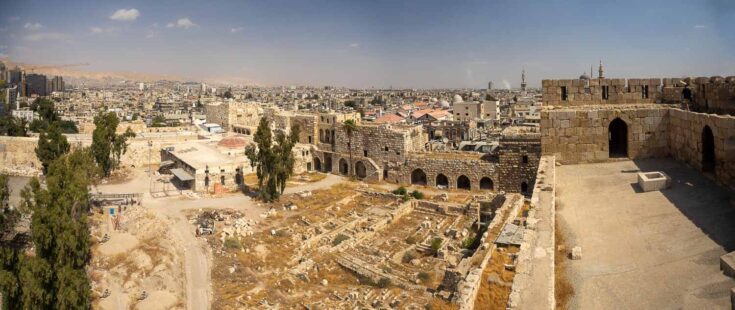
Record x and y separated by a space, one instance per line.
44 36
700 26
184 23
236 29
33 26
355 45
125 15
151 34
96 30
100 30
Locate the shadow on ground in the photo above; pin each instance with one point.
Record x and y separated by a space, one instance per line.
700 199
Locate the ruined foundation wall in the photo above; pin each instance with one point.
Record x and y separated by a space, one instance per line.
582 135
474 168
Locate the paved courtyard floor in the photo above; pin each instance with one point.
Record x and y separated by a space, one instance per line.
652 250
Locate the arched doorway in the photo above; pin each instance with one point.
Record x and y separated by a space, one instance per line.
442 181
328 164
317 164
618 138
463 182
418 177
524 188
343 166
708 150
360 170
486 183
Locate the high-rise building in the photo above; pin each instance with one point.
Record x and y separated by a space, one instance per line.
141 86
36 85
490 85
57 84
14 76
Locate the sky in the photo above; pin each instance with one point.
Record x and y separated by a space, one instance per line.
365 44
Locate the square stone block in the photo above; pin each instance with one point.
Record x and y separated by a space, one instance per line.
653 181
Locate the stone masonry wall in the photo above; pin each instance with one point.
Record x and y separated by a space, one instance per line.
512 170
685 141
18 156
581 135
590 92
473 167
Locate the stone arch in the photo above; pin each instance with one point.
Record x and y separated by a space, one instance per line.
418 177
708 150
524 187
317 164
618 138
360 170
463 182
487 183
442 180
344 167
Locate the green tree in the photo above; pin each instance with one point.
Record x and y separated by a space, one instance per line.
13 127
107 146
350 127
273 163
53 276
51 145
158 121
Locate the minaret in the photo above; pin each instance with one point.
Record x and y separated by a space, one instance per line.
600 75
523 79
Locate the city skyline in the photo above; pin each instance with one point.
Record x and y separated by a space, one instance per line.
380 44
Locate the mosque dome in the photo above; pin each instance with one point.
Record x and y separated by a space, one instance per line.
458 98
584 76
444 104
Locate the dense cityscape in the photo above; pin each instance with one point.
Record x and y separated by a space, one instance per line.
153 189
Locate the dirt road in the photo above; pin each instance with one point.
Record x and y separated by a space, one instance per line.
197 255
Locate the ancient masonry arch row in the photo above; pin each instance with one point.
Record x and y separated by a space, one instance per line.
449 180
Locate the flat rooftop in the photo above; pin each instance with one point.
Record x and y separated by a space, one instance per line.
645 250
202 154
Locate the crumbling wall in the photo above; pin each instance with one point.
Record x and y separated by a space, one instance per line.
519 158
581 135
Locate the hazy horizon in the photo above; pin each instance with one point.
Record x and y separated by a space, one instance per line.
416 44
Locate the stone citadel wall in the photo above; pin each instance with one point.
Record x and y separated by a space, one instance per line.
709 94
581 135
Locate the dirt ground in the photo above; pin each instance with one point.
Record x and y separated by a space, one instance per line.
138 257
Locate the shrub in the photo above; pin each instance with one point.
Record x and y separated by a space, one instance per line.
424 276
467 243
417 194
338 239
383 282
411 240
436 244
232 243
400 191
407 257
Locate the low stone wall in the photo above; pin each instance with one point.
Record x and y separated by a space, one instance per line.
533 284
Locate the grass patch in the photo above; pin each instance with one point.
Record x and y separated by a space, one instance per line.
232 244
563 289
338 239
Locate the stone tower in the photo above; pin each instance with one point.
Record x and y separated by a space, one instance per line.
523 79
600 71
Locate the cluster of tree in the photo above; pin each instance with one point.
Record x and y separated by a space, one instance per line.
273 162
107 145
46 110
5 213
11 126
160 121
53 276
51 145
228 94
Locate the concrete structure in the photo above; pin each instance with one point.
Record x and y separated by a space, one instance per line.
231 115
653 181
653 250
